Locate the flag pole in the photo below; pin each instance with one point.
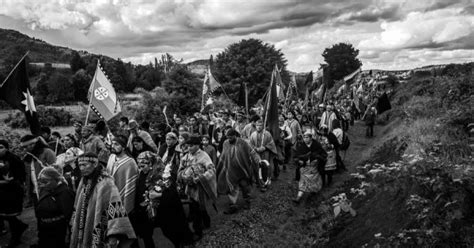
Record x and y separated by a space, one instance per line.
9 74
90 98
267 107
246 101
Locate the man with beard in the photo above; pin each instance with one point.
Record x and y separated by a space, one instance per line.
235 170
99 218
262 141
124 171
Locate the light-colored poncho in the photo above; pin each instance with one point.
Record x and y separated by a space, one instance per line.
124 171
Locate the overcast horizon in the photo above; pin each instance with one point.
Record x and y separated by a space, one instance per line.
389 34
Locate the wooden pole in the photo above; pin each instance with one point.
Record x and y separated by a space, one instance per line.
91 92
9 74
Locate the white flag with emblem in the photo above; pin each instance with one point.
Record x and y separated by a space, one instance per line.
102 97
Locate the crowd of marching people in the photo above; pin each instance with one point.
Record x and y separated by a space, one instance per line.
97 187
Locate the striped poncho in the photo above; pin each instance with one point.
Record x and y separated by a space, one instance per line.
98 215
124 171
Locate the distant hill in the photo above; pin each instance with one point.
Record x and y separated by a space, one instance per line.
12 41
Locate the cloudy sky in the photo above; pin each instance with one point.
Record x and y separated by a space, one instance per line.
390 34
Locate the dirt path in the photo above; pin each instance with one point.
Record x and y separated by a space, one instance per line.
273 219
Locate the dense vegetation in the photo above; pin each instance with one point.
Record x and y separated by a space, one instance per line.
416 188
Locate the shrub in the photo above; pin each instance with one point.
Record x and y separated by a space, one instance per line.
47 117
13 138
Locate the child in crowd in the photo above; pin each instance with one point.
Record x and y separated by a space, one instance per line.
209 149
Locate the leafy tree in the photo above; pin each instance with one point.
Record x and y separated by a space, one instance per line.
149 76
59 88
184 88
41 90
80 85
342 60
77 62
248 61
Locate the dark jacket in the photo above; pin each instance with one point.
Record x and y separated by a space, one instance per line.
313 152
53 213
13 190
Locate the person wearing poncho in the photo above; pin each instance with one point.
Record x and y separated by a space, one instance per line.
198 174
99 217
124 171
235 170
262 141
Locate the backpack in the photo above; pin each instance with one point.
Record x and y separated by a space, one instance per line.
346 142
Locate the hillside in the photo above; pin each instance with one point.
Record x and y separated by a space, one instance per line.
12 41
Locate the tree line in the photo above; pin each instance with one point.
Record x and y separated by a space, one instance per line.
247 62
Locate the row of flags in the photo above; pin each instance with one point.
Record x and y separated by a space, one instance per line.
103 100
16 91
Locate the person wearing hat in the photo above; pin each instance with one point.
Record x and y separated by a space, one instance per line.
146 137
90 141
124 170
311 158
12 178
262 141
38 156
197 174
100 218
235 171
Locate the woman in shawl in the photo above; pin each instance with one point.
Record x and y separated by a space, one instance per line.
170 156
310 157
158 202
181 148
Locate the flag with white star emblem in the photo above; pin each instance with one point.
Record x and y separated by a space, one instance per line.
16 91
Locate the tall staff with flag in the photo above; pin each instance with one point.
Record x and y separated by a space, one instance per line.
209 85
16 91
102 97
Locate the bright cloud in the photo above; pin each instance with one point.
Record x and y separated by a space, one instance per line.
388 33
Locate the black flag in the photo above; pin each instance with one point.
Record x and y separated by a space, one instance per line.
383 104
16 91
